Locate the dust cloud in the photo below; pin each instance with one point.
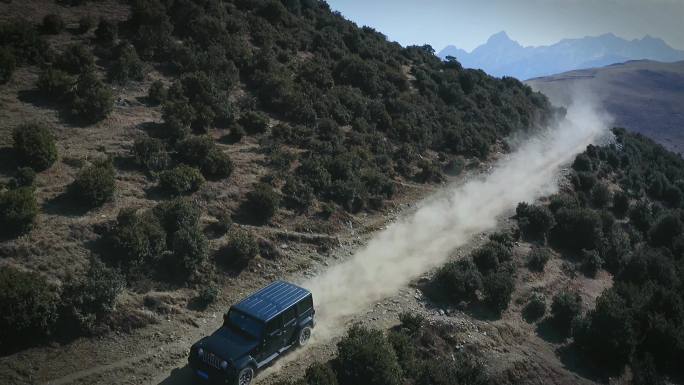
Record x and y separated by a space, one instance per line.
424 240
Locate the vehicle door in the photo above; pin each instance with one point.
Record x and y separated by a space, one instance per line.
273 337
289 325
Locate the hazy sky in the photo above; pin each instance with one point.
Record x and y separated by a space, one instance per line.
468 23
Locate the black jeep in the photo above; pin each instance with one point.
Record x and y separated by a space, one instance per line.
255 331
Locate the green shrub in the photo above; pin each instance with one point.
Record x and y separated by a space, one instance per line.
87 300
254 122
21 36
459 281
8 63
600 195
217 165
565 307
180 180
582 163
24 177
52 24
498 288
320 374
55 84
537 258
85 24
106 33
207 295
94 185
136 238
365 357
92 100
28 308
151 153
200 151
127 66
578 229
176 214
157 93
490 255
298 195
241 248
262 203
190 249
429 172
18 211
411 322
534 221
620 204
223 221
535 308
236 133
76 59
34 145
591 262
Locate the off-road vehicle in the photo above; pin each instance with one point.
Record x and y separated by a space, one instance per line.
255 331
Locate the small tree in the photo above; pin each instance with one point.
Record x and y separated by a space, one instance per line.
320 374
566 306
106 33
55 84
92 100
534 221
94 185
8 64
151 153
127 66
241 248
180 180
24 177
76 59
254 122
35 145
365 357
18 211
28 308
136 238
591 262
498 288
190 249
600 195
52 24
262 203
620 204
459 281
535 309
217 165
537 258
157 92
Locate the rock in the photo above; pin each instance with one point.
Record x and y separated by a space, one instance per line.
442 312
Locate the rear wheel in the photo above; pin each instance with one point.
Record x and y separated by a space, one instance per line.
304 335
245 376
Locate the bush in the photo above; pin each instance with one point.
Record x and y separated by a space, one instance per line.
176 214
24 177
535 309
76 59
490 255
365 357
28 308
223 221
600 195
157 92
537 258
207 295
55 84
534 221
582 163
34 145
106 33
578 229
85 24
620 204
565 308
298 195
94 185
18 211
591 262
236 133
127 66
664 230
254 122
217 165
52 24
151 153
190 249
180 180
136 238
241 248
320 374
86 301
8 64
92 99
262 203
459 281
200 151
498 288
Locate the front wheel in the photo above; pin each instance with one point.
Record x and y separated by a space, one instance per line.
245 376
304 336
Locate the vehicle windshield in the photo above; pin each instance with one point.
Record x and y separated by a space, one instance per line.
245 323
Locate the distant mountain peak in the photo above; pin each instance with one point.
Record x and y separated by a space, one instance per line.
503 56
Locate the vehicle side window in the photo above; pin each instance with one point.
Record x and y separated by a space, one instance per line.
273 325
304 305
289 315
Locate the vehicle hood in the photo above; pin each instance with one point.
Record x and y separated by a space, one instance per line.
228 344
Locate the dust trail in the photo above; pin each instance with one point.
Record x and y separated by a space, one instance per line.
425 239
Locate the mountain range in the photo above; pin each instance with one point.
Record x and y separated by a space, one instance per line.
502 56
642 96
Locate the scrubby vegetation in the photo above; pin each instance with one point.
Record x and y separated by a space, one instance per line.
180 180
18 211
34 145
241 248
94 185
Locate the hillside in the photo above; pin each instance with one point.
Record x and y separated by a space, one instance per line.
502 56
642 96
160 159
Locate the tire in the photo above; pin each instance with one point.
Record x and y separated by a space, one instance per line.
304 336
245 376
